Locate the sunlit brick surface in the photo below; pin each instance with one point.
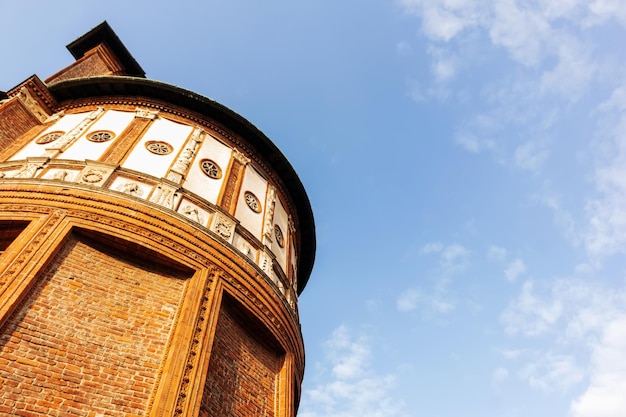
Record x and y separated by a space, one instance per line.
243 371
91 336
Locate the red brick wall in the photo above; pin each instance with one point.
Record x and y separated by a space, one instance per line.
243 371
93 64
90 337
15 120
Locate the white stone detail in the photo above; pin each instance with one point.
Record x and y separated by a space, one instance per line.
224 227
270 204
130 188
164 195
32 105
72 135
146 114
184 160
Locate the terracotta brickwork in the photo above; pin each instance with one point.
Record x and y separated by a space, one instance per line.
129 291
91 336
15 120
95 63
243 370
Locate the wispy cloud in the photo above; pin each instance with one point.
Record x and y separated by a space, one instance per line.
606 233
514 269
353 388
552 372
587 324
453 259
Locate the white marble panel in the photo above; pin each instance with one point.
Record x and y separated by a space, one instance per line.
197 181
131 187
83 148
162 130
64 124
251 220
282 220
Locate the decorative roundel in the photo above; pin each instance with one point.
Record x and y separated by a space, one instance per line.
50 137
252 201
101 136
159 147
278 235
211 169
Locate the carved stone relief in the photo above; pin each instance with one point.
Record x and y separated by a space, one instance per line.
72 135
32 105
184 160
94 175
237 155
165 195
146 114
270 205
224 227
27 170
130 188
192 212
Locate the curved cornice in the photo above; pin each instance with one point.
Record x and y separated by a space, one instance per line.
81 88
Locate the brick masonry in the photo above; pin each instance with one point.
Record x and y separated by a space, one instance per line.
243 369
15 120
90 338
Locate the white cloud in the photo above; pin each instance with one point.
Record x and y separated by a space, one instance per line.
604 397
349 356
354 388
531 156
496 253
473 143
514 270
606 233
435 302
454 259
432 247
521 31
587 325
409 300
531 315
607 9
552 372
443 20
443 64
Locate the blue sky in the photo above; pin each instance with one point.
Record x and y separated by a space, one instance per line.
466 164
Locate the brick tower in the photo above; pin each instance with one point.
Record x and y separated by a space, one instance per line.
152 247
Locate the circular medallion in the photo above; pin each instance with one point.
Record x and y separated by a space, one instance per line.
100 136
211 169
278 235
50 137
93 176
159 147
252 201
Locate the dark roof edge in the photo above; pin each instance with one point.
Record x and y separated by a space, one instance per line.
103 33
79 88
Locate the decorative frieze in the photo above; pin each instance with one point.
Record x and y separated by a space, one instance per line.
224 227
32 105
146 114
270 205
95 174
67 139
165 195
186 156
240 157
